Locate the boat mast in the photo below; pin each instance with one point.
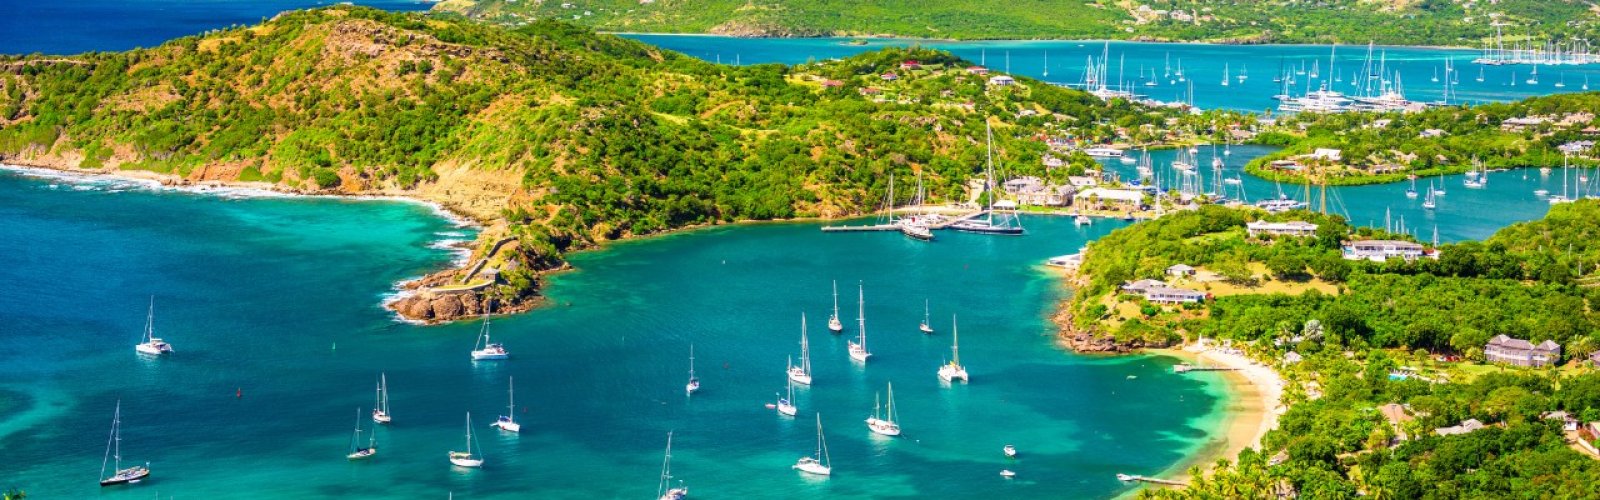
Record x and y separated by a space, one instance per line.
988 183
805 347
835 299
861 313
511 390
113 443
955 342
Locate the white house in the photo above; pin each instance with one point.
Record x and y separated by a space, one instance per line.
1326 154
1112 196
1168 295
1180 271
1002 80
1291 228
1382 250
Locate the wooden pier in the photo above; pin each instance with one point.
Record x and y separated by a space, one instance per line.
1151 480
1185 368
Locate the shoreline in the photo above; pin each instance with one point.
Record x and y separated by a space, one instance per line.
914 39
1255 403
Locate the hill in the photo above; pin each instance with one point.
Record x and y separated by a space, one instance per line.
548 133
1409 22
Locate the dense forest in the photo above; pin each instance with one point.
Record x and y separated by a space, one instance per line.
1433 22
563 136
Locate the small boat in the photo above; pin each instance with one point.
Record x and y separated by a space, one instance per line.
1082 220
380 408
1006 473
819 463
1128 160
149 344
884 423
834 325
358 452
694 382
1010 451
1233 181
1429 203
952 370
858 349
484 350
508 422
916 231
785 404
924 328
1439 191
1411 192
664 489
466 458
801 373
113 457
1541 192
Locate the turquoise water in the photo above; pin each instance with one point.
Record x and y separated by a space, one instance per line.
277 299
1203 65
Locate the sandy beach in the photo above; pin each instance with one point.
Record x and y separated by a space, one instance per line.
1253 408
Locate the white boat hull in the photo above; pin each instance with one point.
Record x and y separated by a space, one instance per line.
465 461
675 494
859 353
488 356
362 454
788 410
950 373
380 417
153 349
926 329
883 427
812 467
834 325
507 426
800 377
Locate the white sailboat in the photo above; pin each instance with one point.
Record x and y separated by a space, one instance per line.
358 452
380 407
467 458
801 373
1429 203
884 423
664 489
508 422
1224 74
834 325
694 382
953 370
858 349
149 344
819 463
925 328
1411 192
786 406
484 350
113 457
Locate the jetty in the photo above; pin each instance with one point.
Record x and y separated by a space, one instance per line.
893 227
1152 480
1185 368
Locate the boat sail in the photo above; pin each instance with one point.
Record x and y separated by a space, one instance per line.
467 458
664 489
484 349
149 344
858 349
884 423
380 408
953 370
114 457
785 404
925 328
819 463
508 422
694 382
1008 224
834 325
358 452
801 373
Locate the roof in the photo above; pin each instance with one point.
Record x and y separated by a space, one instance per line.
1294 224
1180 267
1512 343
1127 195
1382 244
1167 290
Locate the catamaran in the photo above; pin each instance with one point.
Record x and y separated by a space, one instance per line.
819 463
358 452
508 422
467 458
785 404
858 349
834 325
1007 224
664 489
953 370
694 382
925 328
380 407
884 423
801 373
484 349
150 345
1010 451
114 457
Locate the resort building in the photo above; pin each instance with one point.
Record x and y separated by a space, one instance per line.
1291 228
1139 287
1382 250
1127 197
1504 349
1168 295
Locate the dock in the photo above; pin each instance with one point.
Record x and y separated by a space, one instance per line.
891 227
1152 480
1185 368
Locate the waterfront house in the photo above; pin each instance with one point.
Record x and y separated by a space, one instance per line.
1048 196
1382 250
1291 228
1126 197
1002 80
1504 349
1138 287
1169 295
1180 271
1326 154
1466 426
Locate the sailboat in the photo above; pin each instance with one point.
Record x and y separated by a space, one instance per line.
114 457
466 458
1429 203
801 373
1562 83
508 422
953 370
664 489
925 328
834 325
150 345
1480 74
1224 74
357 452
1533 79
484 349
694 382
1242 76
1411 192
1008 224
884 423
819 463
380 407
858 350
1435 75
785 404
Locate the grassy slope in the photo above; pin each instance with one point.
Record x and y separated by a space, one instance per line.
1349 21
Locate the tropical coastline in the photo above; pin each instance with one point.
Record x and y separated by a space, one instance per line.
1255 402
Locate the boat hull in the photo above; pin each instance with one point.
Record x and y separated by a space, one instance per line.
812 467
126 476
951 374
800 377
507 426
149 349
362 454
463 460
787 410
380 417
859 353
883 427
926 329
488 356
987 229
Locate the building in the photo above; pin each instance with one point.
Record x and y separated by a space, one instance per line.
1112 196
1139 287
911 64
1594 358
1180 271
1382 250
1466 426
1168 295
1504 349
1002 80
1326 154
889 77
832 84
1291 228
977 70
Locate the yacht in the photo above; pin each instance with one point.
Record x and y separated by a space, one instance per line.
664 489
884 423
380 407
1103 152
801 373
952 370
786 406
467 458
358 452
484 350
150 345
858 348
508 422
1007 223
1010 451
817 464
119 475
694 382
1082 220
834 325
924 327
